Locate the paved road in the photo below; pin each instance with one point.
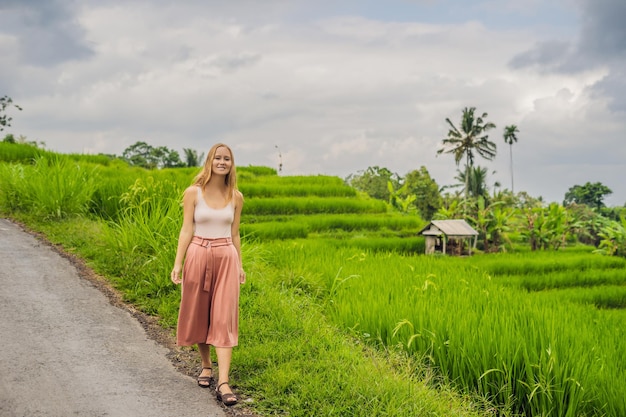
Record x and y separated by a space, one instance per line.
66 351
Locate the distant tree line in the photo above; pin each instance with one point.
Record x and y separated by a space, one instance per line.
147 156
583 216
139 154
494 212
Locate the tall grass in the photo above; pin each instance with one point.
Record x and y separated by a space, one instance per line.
52 188
270 227
312 205
143 239
291 180
540 353
537 356
296 190
22 153
544 263
297 365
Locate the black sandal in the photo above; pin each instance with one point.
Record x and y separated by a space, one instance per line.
226 399
205 381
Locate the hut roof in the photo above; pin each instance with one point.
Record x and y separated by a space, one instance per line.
451 228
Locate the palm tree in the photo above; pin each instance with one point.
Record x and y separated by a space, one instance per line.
471 138
477 181
192 159
510 137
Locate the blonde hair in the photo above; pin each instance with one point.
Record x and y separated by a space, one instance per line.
202 179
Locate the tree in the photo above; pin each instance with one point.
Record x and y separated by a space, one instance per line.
468 140
373 181
22 140
491 221
192 159
428 199
589 194
510 137
474 179
399 198
168 158
5 120
146 156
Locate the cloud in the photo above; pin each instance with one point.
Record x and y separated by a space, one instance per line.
546 55
603 33
601 44
46 31
336 90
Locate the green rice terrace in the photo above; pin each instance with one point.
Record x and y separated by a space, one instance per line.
343 314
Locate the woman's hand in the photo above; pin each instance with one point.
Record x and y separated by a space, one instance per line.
175 275
242 276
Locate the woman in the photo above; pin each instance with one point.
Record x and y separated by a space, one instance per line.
210 245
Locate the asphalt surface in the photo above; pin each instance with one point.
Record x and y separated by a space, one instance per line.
65 350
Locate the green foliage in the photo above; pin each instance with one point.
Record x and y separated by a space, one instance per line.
339 226
291 364
400 245
399 198
469 139
250 172
274 230
476 178
146 156
531 352
591 194
5 120
492 222
143 241
52 188
427 199
256 190
531 333
21 152
417 191
548 227
373 181
613 238
192 158
312 205
510 137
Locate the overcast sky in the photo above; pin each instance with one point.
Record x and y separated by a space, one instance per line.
333 86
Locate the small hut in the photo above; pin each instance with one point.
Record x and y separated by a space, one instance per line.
450 235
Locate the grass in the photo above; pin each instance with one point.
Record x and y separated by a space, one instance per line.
349 321
532 354
312 205
288 364
63 188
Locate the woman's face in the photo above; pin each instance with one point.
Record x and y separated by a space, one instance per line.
222 162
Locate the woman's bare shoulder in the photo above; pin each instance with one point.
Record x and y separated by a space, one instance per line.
190 192
238 197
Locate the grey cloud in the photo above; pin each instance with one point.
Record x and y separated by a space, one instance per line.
234 62
603 32
601 44
602 41
614 86
550 55
47 31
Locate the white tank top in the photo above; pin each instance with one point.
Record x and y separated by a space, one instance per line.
210 222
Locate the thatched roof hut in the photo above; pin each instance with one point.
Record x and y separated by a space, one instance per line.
440 233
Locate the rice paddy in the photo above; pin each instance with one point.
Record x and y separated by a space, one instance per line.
522 333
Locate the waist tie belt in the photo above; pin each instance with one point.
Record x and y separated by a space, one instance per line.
209 243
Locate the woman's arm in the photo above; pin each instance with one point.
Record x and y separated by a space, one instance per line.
186 232
235 233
